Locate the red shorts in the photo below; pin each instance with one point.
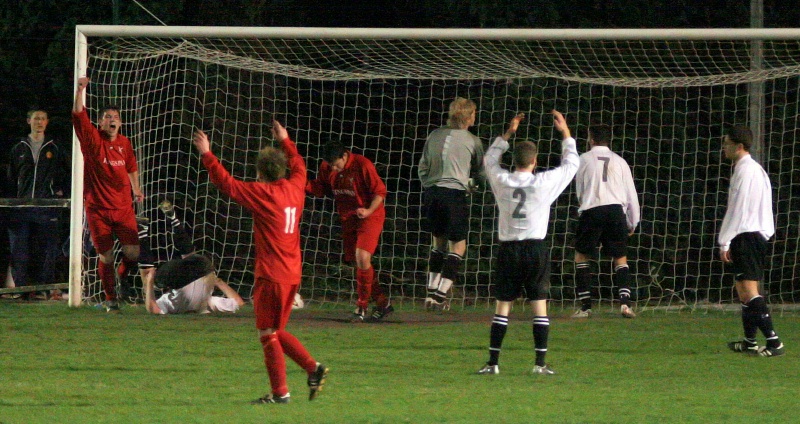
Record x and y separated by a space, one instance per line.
104 223
362 234
272 303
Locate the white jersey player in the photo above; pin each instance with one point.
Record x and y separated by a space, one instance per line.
524 198
189 283
608 214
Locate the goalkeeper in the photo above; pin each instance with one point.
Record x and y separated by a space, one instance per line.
353 182
188 281
450 157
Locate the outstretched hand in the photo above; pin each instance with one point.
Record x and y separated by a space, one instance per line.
513 125
561 124
201 142
278 131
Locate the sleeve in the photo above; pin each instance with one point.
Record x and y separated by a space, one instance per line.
375 184
491 162
130 161
165 304
222 304
86 132
477 156
225 182
557 179
632 207
579 178
297 166
736 204
422 167
320 187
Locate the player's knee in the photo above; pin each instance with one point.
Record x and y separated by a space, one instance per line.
131 252
107 257
266 332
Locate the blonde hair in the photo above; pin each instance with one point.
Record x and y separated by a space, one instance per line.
461 110
271 164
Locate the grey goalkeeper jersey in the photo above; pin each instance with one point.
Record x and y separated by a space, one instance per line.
524 198
450 157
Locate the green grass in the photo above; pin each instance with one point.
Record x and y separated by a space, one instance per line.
62 365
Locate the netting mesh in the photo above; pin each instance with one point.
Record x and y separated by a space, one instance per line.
668 102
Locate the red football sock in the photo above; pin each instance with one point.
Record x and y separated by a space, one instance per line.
364 279
276 364
296 351
107 275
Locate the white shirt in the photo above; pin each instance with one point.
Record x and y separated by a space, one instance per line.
196 297
749 203
604 178
524 198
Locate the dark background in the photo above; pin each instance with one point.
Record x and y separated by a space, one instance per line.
37 40
37 37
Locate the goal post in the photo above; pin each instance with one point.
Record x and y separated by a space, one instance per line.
668 94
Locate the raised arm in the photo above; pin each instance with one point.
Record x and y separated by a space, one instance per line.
491 160
297 166
79 91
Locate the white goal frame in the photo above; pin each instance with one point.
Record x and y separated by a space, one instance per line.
84 32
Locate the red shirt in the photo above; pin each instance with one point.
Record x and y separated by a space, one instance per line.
352 188
276 209
107 163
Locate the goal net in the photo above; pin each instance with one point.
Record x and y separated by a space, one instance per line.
667 93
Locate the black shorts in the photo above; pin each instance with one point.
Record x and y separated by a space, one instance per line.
522 267
604 225
748 255
446 213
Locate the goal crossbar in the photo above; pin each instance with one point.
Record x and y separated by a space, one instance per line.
439 33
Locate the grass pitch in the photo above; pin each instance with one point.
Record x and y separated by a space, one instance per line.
62 365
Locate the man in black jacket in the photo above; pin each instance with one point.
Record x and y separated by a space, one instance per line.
38 169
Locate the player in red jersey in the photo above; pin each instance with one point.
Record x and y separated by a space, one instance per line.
276 203
358 191
110 180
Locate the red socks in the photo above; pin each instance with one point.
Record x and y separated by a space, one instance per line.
107 275
276 364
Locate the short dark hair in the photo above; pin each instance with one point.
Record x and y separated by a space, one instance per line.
334 150
271 164
106 108
600 134
34 110
740 134
525 153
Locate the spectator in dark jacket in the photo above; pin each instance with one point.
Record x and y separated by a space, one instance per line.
38 169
